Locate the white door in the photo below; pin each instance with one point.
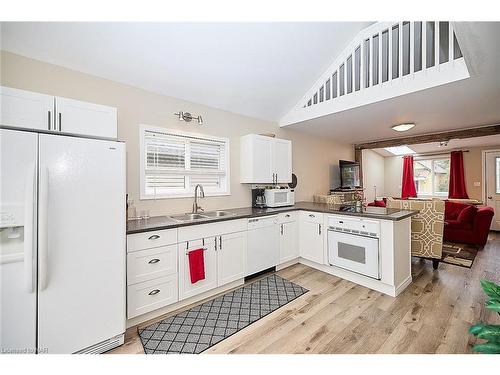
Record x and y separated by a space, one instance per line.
262 163
493 185
186 287
231 256
18 155
81 242
288 241
311 241
26 109
282 158
77 117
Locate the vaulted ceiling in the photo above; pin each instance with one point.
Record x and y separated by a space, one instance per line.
262 69
256 69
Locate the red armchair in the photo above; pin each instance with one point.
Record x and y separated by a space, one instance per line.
465 223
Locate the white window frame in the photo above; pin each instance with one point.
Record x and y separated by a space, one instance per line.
432 159
190 190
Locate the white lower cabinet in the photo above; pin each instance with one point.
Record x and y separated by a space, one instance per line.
311 236
150 264
151 295
289 249
231 257
186 288
224 259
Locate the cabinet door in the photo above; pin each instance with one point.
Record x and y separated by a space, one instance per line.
77 117
231 257
282 160
186 288
288 241
26 109
256 159
311 241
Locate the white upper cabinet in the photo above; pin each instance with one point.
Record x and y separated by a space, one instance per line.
31 110
26 109
265 160
282 157
77 117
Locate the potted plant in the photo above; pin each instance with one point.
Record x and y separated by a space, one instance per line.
488 332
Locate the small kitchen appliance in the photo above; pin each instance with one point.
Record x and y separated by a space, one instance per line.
258 198
279 197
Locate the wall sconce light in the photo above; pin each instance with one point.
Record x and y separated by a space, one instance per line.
186 116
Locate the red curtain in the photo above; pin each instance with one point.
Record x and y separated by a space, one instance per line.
457 176
408 184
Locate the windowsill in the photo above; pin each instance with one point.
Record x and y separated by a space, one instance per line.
183 195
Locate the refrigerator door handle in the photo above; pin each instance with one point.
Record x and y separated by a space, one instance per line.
43 227
29 211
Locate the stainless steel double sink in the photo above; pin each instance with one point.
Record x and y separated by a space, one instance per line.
202 216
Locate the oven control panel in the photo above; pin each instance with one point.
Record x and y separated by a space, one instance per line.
354 225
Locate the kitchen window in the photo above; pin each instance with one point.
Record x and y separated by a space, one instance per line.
173 163
432 177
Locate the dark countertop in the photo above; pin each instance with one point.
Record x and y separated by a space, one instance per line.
165 222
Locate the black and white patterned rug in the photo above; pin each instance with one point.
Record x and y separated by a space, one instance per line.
203 326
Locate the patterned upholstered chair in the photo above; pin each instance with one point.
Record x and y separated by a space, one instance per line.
426 227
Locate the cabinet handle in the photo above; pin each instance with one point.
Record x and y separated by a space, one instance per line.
49 115
215 244
287 215
311 215
60 121
281 229
319 229
276 178
153 237
220 242
153 261
153 292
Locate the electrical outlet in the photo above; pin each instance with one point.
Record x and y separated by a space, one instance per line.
477 183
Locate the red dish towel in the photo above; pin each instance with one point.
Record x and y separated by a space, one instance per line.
196 265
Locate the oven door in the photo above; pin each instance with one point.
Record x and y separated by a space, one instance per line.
354 252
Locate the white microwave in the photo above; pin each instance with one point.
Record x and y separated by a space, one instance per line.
279 197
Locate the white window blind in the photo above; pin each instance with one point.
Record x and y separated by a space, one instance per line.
174 163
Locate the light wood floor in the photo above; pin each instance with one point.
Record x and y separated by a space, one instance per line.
336 316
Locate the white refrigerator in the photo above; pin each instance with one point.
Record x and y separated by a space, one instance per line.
62 243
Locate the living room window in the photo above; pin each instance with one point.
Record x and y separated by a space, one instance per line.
173 163
432 176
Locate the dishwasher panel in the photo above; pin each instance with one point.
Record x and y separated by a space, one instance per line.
263 244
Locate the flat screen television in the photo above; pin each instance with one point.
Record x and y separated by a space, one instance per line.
349 174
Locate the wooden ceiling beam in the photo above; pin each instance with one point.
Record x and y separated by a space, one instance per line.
482 131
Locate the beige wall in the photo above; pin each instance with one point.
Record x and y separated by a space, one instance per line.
313 157
472 169
373 175
393 175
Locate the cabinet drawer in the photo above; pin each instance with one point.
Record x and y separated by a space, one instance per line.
151 295
150 264
148 240
287 217
313 217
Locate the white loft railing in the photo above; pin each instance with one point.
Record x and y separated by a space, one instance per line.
385 60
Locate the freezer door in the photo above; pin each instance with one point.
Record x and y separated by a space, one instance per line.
81 242
18 156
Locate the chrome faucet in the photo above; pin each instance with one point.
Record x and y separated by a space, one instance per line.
197 208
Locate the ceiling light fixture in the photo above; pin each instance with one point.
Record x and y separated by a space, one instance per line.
186 116
403 127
